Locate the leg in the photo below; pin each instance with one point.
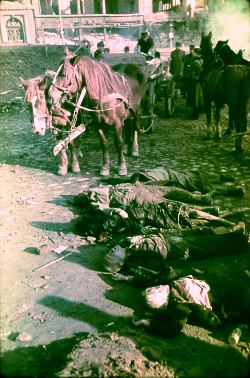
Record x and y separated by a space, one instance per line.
135 145
74 159
105 152
238 143
130 136
208 117
63 165
240 125
230 128
183 195
217 122
119 147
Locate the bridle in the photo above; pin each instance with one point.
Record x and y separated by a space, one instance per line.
65 90
45 115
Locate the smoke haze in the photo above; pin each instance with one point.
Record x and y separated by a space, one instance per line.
232 22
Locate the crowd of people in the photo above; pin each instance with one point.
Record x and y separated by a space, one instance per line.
185 68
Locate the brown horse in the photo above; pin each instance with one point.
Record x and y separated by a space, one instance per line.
225 85
36 97
228 56
111 99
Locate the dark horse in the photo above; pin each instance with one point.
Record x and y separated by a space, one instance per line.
224 85
36 96
228 56
110 98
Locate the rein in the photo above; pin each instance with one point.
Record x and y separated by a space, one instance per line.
97 110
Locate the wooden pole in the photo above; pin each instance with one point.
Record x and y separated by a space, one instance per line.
60 20
51 262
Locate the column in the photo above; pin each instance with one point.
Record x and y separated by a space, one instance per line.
103 6
78 4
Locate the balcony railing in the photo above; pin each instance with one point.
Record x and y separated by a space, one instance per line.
89 21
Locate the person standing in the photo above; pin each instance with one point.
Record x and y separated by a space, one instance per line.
186 70
194 95
177 59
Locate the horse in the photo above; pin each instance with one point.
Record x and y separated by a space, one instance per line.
228 56
224 85
36 92
112 99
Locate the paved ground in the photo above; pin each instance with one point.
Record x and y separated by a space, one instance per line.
74 298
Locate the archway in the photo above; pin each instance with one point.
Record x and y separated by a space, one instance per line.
15 30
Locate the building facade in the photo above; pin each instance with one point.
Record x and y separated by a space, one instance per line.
25 21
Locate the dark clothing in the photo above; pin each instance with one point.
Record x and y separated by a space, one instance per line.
176 68
177 62
187 65
145 45
194 91
98 54
187 73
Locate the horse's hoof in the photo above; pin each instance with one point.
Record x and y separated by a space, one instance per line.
104 172
62 171
76 168
123 171
135 151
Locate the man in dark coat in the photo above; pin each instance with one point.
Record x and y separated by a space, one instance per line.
145 46
177 59
186 71
194 94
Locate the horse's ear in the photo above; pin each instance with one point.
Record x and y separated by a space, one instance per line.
23 82
227 41
210 34
67 53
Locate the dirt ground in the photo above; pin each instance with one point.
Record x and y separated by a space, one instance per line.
71 319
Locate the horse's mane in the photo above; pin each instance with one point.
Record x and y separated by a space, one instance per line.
33 84
100 79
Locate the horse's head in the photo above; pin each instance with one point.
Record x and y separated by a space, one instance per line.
65 83
206 46
36 98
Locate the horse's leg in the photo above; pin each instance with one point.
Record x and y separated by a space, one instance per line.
74 158
238 143
127 126
119 146
230 128
217 122
63 165
208 110
135 128
135 146
105 152
240 125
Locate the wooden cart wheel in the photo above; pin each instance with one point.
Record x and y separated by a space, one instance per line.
171 104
